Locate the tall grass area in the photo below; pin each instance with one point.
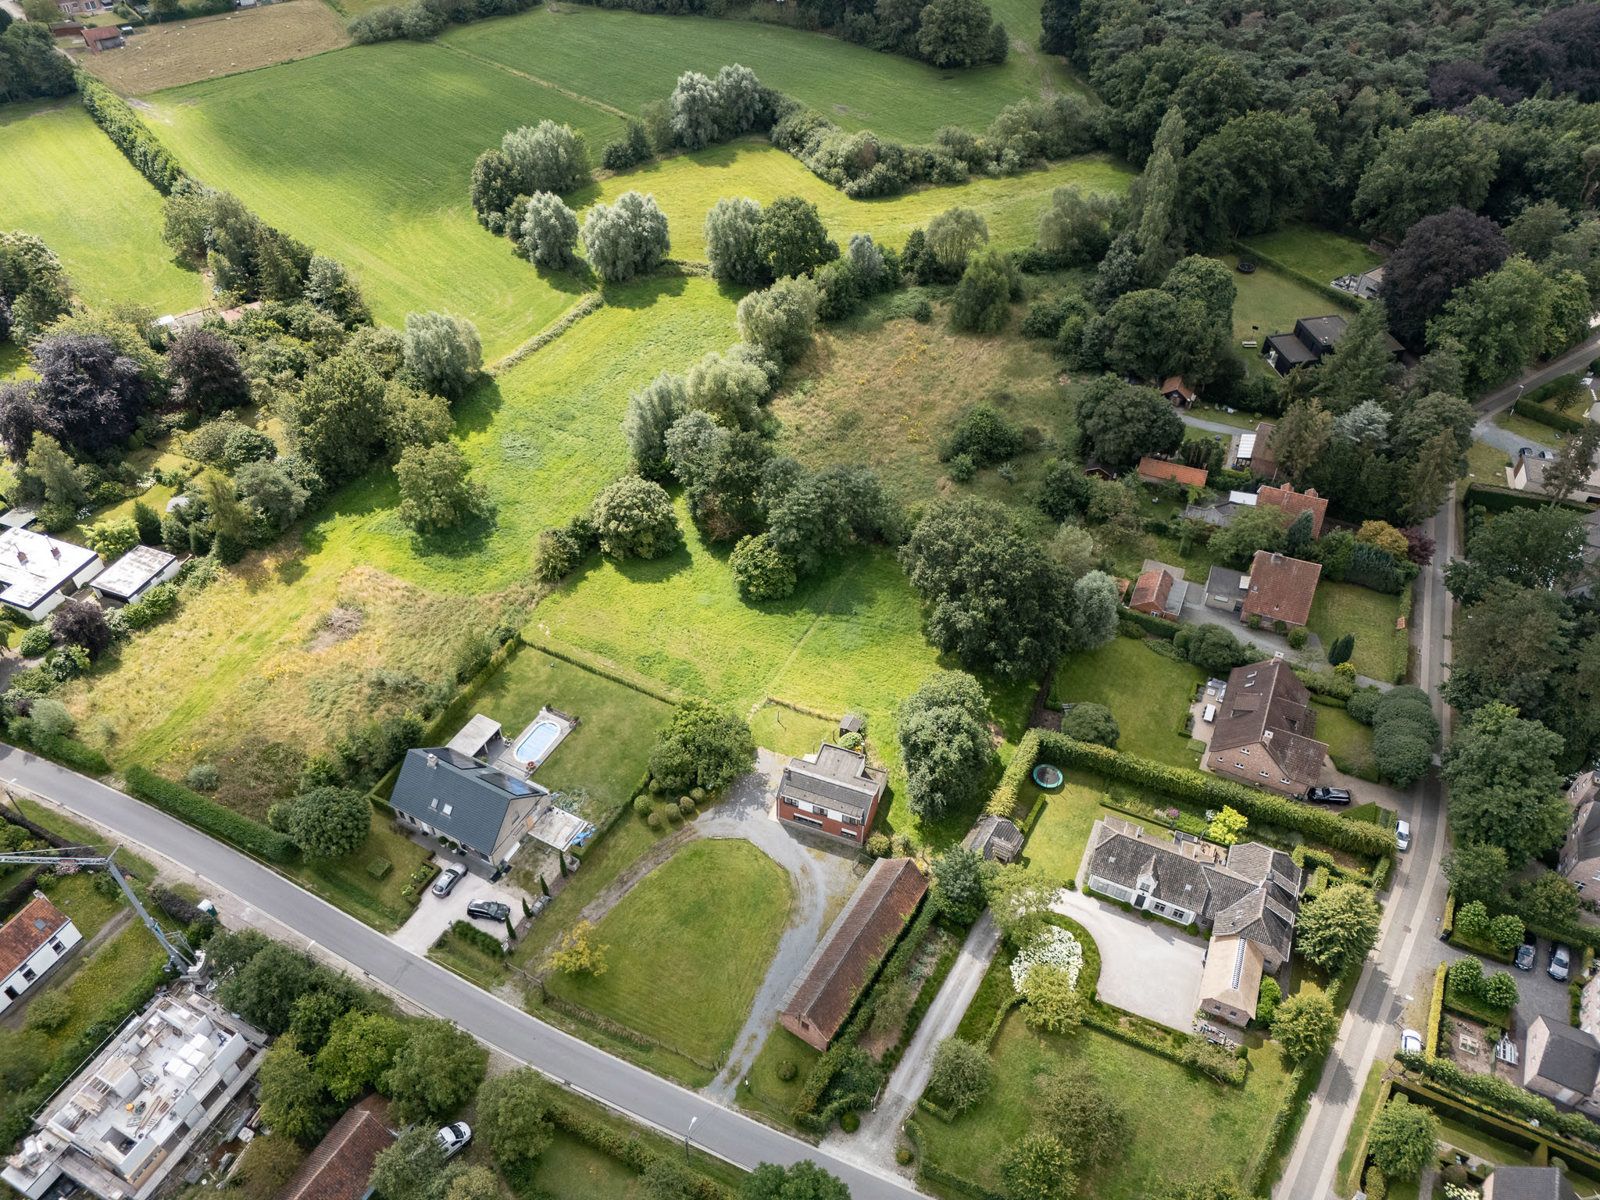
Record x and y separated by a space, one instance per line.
366 155
628 59
246 659
66 183
687 185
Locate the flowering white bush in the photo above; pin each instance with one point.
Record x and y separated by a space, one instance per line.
1054 948
1454 1191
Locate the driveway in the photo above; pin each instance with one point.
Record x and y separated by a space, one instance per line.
434 915
1151 968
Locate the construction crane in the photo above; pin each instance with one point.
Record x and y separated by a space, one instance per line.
177 948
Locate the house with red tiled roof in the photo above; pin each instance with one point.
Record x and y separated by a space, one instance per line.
1294 503
1280 589
1159 470
1159 591
825 993
1179 393
31 943
106 37
1265 730
340 1165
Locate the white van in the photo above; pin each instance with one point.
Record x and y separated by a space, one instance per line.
1209 714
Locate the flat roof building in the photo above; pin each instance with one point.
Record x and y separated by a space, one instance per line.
135 573
38 572
833 791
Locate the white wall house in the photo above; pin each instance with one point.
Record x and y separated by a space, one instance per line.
37 572
31 943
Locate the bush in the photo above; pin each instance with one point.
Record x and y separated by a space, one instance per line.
209 816
50 1011
787 1069
850 1121
35 642
761 570
983 435
642 806
203 777
634 518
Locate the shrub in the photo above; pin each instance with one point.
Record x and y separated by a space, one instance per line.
761 570
634 518
35 642
850 1121
50 1011
984 435
961 1074
642 806
203 777
209 816
787 1070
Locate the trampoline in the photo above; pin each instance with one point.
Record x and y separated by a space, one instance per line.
1048 777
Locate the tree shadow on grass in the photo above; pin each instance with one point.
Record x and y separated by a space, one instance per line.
459 541
477 410
647 290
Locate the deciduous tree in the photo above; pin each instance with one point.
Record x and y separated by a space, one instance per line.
944 740
1338 927
1504 787
626 238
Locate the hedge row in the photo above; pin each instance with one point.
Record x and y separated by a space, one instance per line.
1548 416
1503 1097
1157 626
19 1114
207 815
1430 1047
625 1149
69 753
15 896
1004 801
1302 1080
1356 837
122 125
1502 499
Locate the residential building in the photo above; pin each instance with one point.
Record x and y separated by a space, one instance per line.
1264 732
1222 513
134 574
106 37
1159 470
1280 588
125 1122
1160 590
1247 895
1294 503
1580 853
822 997
1313 339
1369 284
38 572
1226 589
1527 473
1528 1183
1178 393
1562 1063
833 792
31 943
338 1168
995 838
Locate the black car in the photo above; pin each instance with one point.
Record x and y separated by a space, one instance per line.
488 910
1328 795
1526 953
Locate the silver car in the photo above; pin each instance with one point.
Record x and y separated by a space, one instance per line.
454 1138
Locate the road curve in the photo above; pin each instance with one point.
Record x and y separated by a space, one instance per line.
619 1085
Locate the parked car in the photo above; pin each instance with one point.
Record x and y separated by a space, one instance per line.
1328 795
1402 835
1560 964
488 910
448 878
454 1138
1526 954
1410 1042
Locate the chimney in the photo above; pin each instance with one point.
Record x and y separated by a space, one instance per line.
433 761
1277 558
55 551
22 555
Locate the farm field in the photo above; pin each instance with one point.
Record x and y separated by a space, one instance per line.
687 185
386 193
628 59
887 395
1146 692
684 960
66 183
179 52
251 659
1381 649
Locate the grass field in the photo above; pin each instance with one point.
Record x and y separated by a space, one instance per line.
575 1170
1486 464
1534 432
66 183
629 59
1349 741
245 660
1381 649
179 52
789 732
688 947
1220 1130
1270 302
383 189
1146 692
1056 845
888 395
687 185
1319 253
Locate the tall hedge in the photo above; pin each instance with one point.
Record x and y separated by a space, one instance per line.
208 816
122 125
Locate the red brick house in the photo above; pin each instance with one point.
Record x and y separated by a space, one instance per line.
821 999
1281 589
1159 470
1294 503
338 1168
832 791
1265 731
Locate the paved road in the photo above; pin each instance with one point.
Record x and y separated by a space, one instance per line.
1407 947
365 952
1573 362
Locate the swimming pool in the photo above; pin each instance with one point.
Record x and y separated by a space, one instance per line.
536 742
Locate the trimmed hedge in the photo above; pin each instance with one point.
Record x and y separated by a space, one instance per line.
1534 411
1356 837
1004 800
1430 1047
1503 1097
122 125
208 816
1494 499
69 753
1157 626
1303 1080
630 1151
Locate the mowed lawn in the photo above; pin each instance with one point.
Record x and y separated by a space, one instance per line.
1319 253
629 59
1270 302
688 185
1056 845
367 155
688 947
1349 741
1381 649
1219 1130
65 182
246 661
1146 692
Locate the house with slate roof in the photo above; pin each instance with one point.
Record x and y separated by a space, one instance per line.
1265 730
446 794
832 792
1528 1183
1248 896
1563 1064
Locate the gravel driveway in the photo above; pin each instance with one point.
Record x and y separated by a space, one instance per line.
1150 968
434 915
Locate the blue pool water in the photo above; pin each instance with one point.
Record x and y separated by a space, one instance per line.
532 746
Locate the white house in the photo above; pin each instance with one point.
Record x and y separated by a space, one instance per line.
31 943
135 573
38 572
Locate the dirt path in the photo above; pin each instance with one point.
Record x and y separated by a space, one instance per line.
624 883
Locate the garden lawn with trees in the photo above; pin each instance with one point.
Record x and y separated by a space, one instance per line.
1057 843
1148 694
685 951
1380 649
113 251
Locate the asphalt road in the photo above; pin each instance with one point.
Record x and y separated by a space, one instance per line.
1573 362
630 1090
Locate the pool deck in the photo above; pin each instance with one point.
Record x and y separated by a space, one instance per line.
507 759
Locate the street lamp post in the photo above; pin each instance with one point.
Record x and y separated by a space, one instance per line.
686 1134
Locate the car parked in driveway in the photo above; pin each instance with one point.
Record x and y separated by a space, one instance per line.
448 878
454 1138
1410 1042
1560 964
1526 954
489 910
1328 795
